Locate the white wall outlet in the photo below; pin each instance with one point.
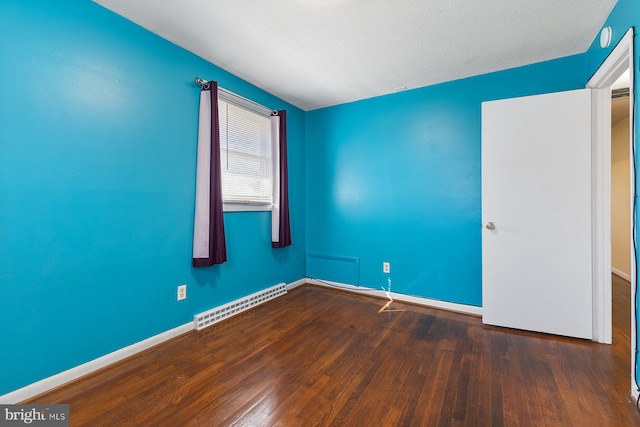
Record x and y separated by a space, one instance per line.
182 292
386 267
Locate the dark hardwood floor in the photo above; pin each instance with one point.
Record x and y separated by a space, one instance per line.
324 357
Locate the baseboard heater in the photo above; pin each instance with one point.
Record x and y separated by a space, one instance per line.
232 308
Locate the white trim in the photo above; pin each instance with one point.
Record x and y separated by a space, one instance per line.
355 261
620 59
246 207
608 72
450 306
601 214
241 101
621 273
297 283
64 377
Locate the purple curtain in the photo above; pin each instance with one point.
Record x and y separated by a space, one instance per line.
209 246
281 237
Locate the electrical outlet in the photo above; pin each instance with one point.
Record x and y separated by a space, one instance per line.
182 292
386 267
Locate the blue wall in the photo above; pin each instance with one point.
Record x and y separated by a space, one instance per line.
625 15
397 178
97 170
98 122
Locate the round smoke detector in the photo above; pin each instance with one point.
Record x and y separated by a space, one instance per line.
605 37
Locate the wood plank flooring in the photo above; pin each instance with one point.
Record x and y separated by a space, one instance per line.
319 357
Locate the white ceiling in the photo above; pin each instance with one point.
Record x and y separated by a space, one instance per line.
317 53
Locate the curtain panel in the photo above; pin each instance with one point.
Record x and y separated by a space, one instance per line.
280 225
209 246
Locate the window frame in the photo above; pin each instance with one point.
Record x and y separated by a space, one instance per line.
237 100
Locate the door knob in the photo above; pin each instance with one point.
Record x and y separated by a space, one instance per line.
490 226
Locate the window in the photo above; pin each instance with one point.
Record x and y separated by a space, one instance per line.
245 153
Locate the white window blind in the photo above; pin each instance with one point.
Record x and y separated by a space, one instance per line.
245 154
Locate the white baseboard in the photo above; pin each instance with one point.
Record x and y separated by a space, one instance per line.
74 373
450 306
620 273
297 283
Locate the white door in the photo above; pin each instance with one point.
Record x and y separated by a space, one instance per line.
536 213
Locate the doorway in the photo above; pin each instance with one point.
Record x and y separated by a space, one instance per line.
619 61
621 173
621 215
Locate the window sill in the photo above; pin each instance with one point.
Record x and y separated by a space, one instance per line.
246 207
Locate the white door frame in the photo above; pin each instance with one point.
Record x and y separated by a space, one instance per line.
618 61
